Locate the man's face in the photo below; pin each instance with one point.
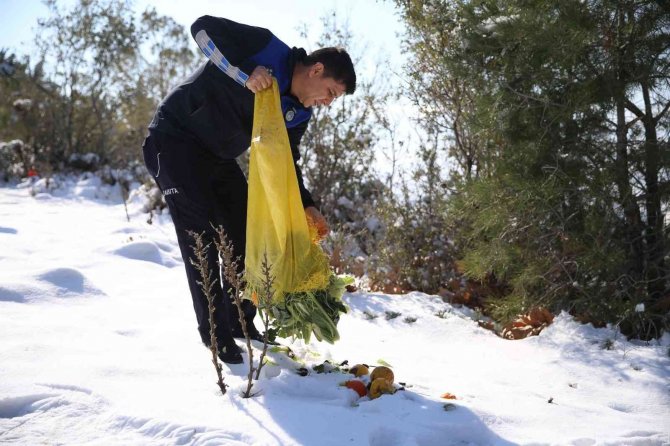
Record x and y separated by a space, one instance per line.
319 89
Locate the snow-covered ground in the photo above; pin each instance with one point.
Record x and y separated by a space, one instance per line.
98 346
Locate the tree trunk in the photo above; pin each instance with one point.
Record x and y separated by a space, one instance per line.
633 228
656 277
633 221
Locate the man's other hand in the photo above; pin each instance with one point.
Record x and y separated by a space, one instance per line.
260 79
317 220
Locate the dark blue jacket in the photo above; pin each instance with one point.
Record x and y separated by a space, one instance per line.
216 111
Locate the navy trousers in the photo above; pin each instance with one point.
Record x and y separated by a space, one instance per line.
202 190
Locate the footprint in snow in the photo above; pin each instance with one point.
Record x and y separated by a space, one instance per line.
625 408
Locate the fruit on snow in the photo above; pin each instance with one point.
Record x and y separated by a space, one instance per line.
382 372
359 370
380 386
357 386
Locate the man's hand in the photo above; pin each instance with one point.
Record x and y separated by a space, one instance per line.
314 218
260 79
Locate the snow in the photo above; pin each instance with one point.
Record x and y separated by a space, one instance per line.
98 346
345 202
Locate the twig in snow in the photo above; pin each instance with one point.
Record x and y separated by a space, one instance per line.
206 284
265 305
230 274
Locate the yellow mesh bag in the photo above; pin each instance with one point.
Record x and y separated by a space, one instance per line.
276 222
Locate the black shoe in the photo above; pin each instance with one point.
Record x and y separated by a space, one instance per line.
231 354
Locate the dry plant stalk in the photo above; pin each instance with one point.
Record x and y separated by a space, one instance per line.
202 265
125 194
230 274
265 305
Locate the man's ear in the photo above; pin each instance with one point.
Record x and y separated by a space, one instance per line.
316 69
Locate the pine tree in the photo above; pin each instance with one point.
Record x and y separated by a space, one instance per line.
568 205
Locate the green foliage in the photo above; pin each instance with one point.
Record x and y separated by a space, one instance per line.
301 314
442 314
85 49
22 95
369 315
15 158
565 117
415 251
99 76
391 315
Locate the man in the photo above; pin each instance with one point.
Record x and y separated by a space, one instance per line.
206 122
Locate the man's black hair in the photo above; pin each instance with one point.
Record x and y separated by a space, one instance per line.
337 64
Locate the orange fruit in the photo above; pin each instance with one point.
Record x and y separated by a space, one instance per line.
380 386
357 386
382 372
359 370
